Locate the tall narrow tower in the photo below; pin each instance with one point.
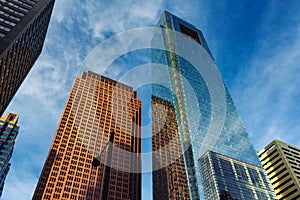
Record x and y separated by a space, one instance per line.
8 133
206 115
23 27
97 107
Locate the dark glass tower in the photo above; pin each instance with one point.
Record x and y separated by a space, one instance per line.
8 133
206 115
223 175
23 27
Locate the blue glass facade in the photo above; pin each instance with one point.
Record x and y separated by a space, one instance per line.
8 133
206 114
238 179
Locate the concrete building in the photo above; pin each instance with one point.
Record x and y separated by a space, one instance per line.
8 133
281 162
23 27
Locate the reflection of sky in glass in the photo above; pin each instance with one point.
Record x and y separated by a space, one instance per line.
232 139
240 180
204 107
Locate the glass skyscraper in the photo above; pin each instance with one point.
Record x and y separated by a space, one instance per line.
224 175
206 115
8 133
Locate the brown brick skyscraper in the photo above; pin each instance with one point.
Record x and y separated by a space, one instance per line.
23 27
96 107
169 176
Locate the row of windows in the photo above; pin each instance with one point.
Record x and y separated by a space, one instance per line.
28 5
102 92
13 11
17 19
5 28
18 7
273 163
7 22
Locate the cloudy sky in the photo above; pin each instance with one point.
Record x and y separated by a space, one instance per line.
255 44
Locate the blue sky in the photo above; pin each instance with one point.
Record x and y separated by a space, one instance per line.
255 45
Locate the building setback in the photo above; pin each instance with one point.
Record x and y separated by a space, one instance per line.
8 133
96 107
169 176
238 180
206 116
281 162
23 27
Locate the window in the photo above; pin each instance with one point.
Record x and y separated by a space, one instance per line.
189 33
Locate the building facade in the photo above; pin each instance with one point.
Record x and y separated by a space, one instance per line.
169 177
96 107
23 27
281 162
206 115
227 178
8 133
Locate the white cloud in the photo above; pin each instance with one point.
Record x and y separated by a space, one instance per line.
75 27
78 26
269 89
23 186
118 16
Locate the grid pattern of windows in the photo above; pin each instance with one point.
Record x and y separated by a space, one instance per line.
221 174
96 106
169 181
194 80
23 27
8 133
282 164
12 12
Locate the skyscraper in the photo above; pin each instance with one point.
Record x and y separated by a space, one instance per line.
206 115
8 133
239 180
23 27
97 107
282 164
170 181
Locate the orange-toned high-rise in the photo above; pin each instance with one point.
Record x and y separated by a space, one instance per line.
169 176
96 107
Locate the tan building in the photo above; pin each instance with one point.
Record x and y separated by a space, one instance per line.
169 176
96 107
282 164
8 133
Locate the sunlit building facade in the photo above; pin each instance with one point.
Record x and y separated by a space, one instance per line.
96 107
206 115
239 180
281 162
23 27
8 133
169 177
